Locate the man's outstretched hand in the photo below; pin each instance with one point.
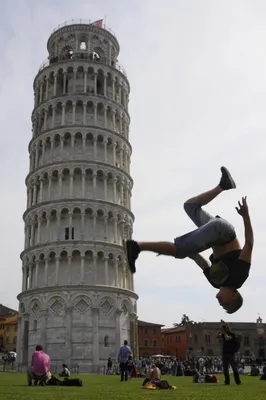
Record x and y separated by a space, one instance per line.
242 209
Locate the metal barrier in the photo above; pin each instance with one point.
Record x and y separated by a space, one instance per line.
82 22
47 62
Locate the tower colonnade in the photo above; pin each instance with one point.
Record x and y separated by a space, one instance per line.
79 111
51 184
79 145
81 79
47 269
61 222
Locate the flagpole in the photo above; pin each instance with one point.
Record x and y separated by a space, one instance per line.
105 21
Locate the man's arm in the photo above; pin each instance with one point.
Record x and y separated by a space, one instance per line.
119 355
246 252
242 210
200 261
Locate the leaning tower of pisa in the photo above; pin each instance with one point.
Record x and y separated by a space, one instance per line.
77 297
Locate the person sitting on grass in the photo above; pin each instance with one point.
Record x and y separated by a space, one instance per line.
254 371
65 373
40 367
263 376
153 375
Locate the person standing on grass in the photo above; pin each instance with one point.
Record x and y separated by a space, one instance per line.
230 346
123 355
109 366
229 263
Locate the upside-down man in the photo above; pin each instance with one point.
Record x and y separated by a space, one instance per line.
229 264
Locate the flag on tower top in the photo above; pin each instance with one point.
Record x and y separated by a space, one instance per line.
99 23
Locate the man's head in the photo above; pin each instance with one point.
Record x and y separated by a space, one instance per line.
38 348
230 299
125 342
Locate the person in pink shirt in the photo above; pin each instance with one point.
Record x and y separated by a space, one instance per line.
40 367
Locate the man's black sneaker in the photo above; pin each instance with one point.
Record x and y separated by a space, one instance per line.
226 182
132 252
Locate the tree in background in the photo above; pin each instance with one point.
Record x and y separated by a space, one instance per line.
184 321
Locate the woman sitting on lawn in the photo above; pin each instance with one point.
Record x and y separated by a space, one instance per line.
153 375
65 373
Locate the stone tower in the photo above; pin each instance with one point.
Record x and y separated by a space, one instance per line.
77 297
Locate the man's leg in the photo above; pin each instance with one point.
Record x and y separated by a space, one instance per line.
191 241
29 377
234 368
193 206
226 369
126 373
122 371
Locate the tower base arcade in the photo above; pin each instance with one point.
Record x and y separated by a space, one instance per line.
78 325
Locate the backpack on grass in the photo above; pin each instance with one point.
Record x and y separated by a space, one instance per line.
210 378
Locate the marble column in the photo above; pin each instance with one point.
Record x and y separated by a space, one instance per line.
95 338
82 225
32 232
68 322
58 227
55 84
24 280
114 153
105 187
75 79
116 273
39 231
83 184
95 114
118 328
94 270
82 270
63 114
74 114
71 177
64 82
57 264
84 118
95 148
85 80
30 276
114 189
30 196
115 229
105 85
94 177
105 150
95 84
43 327
41 189
105 228
106 271
36 273
69 269
47 89
46 271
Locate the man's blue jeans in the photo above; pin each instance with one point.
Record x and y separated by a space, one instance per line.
212 231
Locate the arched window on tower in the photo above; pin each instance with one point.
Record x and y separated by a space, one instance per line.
83 45
106 341
95 56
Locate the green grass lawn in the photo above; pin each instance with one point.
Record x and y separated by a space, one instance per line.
13 387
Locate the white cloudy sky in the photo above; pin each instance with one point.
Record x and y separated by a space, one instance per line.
198 77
